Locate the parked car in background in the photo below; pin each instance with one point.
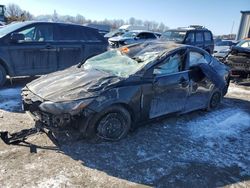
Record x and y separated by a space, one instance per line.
131 37
239 59
114 33
114 91
222 48
123 29
36 48
194 35
158 34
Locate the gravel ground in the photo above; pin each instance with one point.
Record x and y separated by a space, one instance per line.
199 149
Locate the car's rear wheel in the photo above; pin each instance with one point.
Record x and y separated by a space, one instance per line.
214 100
113 123
2 76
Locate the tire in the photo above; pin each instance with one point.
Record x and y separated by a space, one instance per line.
215 100
2 76
112 124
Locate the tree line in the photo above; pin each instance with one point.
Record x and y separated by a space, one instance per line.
15 13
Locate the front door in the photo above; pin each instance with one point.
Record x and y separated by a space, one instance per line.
170 86
36 54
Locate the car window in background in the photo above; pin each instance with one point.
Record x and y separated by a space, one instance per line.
1 11
199 37
28 33
145 35
38 33
208 36
149 36
171 65
89 34
190 37
196 58
11 27
67 32
129 34
174 35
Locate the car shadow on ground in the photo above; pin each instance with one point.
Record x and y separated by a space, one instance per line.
182 151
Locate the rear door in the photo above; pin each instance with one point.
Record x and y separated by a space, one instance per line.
209 42
36 54
170 85
199 39
70 45
200 85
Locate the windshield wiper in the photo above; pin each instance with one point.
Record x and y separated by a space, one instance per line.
81 63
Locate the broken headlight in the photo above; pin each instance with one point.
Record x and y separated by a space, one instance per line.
71 107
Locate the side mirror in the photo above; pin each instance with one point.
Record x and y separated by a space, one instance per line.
15 37
137 38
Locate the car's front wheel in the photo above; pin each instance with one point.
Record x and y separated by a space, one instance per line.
2 76
113 123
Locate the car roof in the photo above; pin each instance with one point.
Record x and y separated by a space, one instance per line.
49 22
185 29
140 31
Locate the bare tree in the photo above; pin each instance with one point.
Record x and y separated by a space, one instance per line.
15 13
13 10
132 21
80 19
27 15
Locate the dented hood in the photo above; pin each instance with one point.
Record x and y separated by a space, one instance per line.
72 84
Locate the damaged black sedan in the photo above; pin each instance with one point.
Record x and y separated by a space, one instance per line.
111 93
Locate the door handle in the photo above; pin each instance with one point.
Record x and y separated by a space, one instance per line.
48 47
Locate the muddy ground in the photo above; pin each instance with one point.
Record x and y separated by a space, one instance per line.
199 149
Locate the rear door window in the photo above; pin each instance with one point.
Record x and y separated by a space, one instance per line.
149 36
208 36
90 35
196 58
199 37
67 33
173 64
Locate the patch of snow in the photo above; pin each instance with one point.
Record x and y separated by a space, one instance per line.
226 122
10 92
234 89
10 105
10 99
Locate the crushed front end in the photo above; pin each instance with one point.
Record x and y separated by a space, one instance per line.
54 115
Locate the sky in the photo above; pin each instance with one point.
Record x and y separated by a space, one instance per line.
220 16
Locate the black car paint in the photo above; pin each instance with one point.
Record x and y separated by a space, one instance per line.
147 96
28 58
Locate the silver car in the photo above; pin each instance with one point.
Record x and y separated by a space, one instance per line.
131 37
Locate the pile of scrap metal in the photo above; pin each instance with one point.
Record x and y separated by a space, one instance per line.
239 60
